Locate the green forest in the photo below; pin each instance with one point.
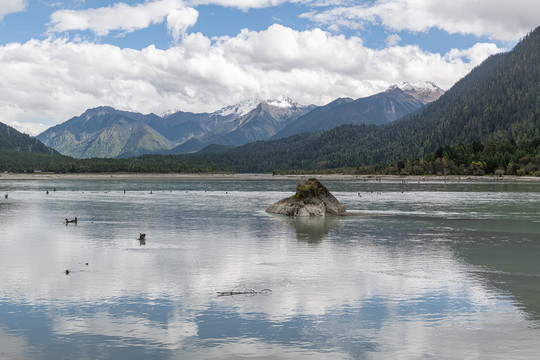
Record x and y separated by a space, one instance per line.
506 157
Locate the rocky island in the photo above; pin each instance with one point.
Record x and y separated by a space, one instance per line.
311 199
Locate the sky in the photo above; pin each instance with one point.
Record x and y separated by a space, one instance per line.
61 57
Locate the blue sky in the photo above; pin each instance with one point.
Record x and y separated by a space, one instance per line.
60 57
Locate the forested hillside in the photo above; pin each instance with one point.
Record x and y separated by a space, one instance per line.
500 99
11 139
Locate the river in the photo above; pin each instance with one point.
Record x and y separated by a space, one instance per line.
420 270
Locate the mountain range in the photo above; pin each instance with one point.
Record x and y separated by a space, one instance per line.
107 132
397 101
498 100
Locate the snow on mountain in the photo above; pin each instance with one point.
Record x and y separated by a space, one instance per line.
239 109
282 102
424 91
246 106
416 86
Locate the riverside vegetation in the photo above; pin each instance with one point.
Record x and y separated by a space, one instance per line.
507 157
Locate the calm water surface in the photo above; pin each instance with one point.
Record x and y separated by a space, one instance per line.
423 270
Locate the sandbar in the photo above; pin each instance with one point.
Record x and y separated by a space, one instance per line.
254 176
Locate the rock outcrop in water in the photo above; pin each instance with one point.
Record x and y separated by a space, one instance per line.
311 199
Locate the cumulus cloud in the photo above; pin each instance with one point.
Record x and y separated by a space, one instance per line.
179 20
125 18
498 19
49 81
11 6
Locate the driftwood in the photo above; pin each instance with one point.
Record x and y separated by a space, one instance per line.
243 290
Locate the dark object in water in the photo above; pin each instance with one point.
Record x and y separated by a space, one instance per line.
243 290
142 239
74 221
67 272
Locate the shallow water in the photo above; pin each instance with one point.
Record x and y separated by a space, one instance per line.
422 270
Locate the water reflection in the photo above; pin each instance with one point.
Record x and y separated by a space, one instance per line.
506 264
312 229
414 283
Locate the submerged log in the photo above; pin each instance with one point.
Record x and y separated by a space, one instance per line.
243 290
311 199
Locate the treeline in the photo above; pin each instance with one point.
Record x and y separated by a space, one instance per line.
27 162
507 157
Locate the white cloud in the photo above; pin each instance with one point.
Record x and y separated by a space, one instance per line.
11 6
179 20
258 4
242 4
476 54
47 82
498 19
392 40
125 18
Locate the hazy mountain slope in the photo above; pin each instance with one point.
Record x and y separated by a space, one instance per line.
105 132
12 139
182 126
254 121
377 109
259 124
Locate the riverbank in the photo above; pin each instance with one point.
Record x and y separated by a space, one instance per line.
249 176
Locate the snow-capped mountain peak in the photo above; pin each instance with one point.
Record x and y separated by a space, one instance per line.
414 86
282 102
424 91
246 106
240 109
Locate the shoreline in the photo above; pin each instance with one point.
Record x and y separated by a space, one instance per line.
253 176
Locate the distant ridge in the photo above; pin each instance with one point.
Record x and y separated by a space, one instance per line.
11 139
253 120
397 101
423 91
105 132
